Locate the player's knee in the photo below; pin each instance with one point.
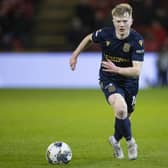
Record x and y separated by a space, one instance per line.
119 105
121 114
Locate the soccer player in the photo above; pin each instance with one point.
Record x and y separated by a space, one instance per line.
122 58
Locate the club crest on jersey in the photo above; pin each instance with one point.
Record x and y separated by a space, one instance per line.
107 43
126 47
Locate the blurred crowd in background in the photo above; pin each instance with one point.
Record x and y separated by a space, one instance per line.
150 19
16 17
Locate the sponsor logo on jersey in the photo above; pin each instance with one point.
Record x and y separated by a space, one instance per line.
115 58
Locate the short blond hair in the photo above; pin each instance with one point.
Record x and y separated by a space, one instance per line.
121 9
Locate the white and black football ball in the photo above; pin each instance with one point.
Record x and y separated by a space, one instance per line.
58 153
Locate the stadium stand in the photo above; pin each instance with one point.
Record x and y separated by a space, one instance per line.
15 24
51 25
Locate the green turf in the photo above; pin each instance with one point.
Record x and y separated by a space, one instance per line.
32 119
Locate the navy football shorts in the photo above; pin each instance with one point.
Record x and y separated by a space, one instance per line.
127 91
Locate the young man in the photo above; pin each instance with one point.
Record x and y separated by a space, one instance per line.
122 57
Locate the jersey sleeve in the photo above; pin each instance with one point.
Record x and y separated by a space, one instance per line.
97 36
138 50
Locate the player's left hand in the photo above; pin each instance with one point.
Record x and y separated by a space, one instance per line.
109 66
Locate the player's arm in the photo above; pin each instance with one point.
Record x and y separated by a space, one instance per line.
133 71
83 44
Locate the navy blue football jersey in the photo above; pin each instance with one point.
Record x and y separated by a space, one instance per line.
120 52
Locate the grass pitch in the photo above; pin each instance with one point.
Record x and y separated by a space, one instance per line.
32 119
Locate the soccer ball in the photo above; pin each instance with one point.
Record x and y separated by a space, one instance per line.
58 153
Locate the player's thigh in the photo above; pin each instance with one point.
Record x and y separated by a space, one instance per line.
113 92
117 100
109 88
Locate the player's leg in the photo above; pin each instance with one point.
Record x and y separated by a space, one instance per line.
110 89
120 108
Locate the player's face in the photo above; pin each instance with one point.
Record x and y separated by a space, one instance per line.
122 24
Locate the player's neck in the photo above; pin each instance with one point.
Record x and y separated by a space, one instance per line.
122 36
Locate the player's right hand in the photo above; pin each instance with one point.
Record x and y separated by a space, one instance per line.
72 62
